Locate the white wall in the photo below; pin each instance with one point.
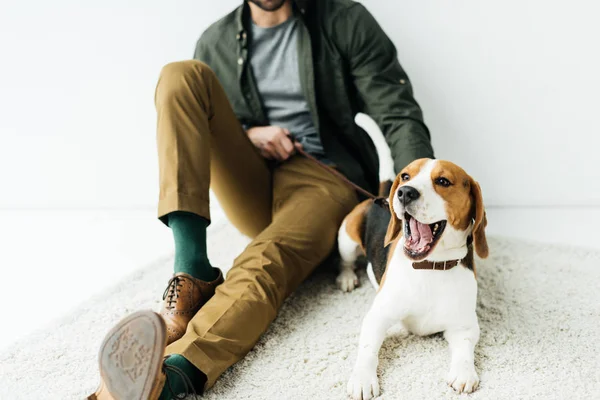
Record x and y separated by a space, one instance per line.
509 89
77 80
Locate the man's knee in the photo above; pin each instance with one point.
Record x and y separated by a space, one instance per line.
182 77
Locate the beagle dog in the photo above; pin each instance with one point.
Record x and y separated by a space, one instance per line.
419 247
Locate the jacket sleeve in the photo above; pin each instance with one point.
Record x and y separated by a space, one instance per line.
200 51
384 88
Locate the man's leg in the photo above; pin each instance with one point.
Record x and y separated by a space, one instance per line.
200 145
200 142
308 207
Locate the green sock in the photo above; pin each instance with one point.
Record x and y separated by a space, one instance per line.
189 232
174 386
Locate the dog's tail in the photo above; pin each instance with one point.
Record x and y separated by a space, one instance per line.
386 162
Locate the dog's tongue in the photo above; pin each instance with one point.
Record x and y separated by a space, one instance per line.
420 236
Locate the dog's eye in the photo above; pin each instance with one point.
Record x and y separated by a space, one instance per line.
405 177
443 182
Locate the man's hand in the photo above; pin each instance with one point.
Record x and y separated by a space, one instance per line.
273 142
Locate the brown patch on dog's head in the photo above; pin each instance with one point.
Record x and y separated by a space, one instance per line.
464 201
413 168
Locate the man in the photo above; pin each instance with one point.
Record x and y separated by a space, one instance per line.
268 71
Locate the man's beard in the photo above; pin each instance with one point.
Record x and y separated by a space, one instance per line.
269 5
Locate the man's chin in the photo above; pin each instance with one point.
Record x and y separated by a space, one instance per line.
269 5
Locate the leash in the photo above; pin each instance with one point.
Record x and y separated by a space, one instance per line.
335 172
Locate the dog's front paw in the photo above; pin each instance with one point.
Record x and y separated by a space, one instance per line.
347 280
463 379
363 384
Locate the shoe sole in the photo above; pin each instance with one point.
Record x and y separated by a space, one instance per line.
131 357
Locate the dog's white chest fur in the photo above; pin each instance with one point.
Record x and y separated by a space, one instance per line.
423 302
427 302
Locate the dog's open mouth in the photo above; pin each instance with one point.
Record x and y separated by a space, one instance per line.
420 239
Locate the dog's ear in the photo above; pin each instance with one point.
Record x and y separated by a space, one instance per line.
395 225
478 215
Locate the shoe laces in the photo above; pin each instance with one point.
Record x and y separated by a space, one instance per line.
187 382
171 293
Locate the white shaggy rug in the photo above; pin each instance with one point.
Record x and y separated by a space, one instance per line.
539 309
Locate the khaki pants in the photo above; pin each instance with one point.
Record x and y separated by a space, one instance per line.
292 212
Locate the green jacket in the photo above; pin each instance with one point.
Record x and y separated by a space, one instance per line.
347 65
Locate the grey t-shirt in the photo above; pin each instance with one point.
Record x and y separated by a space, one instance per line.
274 62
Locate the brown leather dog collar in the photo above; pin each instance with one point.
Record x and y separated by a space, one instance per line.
446 265
436 265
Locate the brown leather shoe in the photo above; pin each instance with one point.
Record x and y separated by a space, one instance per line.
183 297
131 359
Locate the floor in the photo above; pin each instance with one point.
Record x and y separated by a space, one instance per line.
53 260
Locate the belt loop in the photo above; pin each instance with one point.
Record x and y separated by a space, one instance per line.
444 265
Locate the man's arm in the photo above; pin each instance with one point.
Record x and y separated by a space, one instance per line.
384 88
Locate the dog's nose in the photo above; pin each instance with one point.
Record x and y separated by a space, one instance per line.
406 194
